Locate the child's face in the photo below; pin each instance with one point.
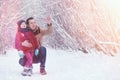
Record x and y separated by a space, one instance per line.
23 25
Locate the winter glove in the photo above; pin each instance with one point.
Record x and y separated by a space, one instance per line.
36 52
21 54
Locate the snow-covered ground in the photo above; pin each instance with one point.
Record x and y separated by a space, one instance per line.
64 65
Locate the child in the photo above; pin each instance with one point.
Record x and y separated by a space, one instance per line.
25 34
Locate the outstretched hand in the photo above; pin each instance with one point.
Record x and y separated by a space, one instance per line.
48 20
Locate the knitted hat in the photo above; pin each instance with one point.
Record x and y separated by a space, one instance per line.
20 22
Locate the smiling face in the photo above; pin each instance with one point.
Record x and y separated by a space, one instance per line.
23 25
31 23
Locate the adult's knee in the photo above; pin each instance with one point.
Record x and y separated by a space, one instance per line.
42 50
22 61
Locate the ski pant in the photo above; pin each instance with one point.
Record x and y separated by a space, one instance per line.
29 58
40 58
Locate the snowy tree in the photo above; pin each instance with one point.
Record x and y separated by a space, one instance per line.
8 17
78 24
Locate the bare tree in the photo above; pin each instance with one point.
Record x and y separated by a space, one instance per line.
78 24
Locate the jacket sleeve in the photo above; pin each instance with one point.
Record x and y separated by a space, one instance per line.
18 43
46 31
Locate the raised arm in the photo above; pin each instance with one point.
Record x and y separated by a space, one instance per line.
49 28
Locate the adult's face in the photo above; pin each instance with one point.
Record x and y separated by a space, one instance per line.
32 24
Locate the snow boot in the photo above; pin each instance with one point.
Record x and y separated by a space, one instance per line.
42 71
30 72
27 71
